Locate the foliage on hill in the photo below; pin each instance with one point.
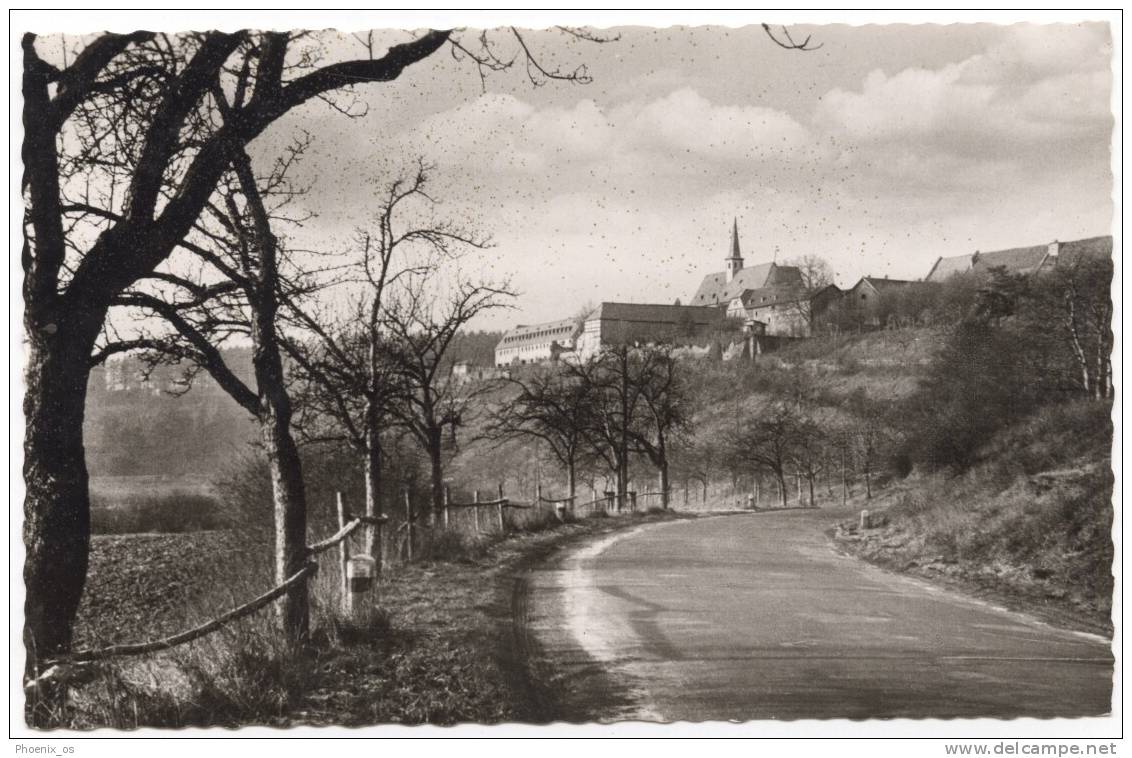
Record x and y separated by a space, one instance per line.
1010 439
1029 524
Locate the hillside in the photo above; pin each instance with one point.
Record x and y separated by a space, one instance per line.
1029 525
1025 518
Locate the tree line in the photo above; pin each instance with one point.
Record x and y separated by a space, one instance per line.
600 413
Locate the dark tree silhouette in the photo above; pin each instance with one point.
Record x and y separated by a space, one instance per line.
121 155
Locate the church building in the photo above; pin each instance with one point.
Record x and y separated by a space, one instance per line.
720 289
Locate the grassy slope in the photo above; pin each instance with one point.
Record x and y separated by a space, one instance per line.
1030 526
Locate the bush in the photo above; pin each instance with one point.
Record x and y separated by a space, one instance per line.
164 512
456 546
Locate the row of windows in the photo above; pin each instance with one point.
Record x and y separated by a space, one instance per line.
526 348
543 333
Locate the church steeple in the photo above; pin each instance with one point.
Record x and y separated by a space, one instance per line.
735 260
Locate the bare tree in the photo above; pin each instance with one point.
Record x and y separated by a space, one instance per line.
808 453
816 275
663 410
354 374
552 407
612 378
869 435
696 460
766 442
421 325
1082 308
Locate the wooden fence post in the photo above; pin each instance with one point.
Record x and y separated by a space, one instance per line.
343 550
476 509
408 527
447 495
499 509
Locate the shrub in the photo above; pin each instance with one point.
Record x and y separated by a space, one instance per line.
169 512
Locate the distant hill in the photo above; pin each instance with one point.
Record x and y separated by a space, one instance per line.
135 426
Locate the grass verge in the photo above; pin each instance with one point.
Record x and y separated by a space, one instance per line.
445 650
1040 545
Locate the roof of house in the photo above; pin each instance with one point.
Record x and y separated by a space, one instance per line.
715 290
538 334
655 313
880 283
1021 260
947 267
765 296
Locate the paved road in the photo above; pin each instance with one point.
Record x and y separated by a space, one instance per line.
755 616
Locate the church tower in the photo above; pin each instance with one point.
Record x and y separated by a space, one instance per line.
735 260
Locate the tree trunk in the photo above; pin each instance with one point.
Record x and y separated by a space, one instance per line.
373 507
1076 343
782 488
813 503
844 481
290 525
436 476
286 478
622 482
57 506
868 484
664 484
571 484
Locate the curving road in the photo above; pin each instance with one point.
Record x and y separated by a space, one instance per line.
755 616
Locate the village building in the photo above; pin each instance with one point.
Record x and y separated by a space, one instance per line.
867 291
720 289
781 312
537 343
643 323
466 371
864 297
1021 260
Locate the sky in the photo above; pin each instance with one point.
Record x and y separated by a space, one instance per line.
880 151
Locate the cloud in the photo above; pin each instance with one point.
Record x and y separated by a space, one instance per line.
631 196
685 122
502 133
1041 87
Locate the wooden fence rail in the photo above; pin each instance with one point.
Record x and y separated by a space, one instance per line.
239 612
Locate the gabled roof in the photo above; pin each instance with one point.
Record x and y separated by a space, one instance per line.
1017 260
655 313
1021 260
766 296
880 284
715 290
947 267
877 284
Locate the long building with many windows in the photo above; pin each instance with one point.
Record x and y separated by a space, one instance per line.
536 343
